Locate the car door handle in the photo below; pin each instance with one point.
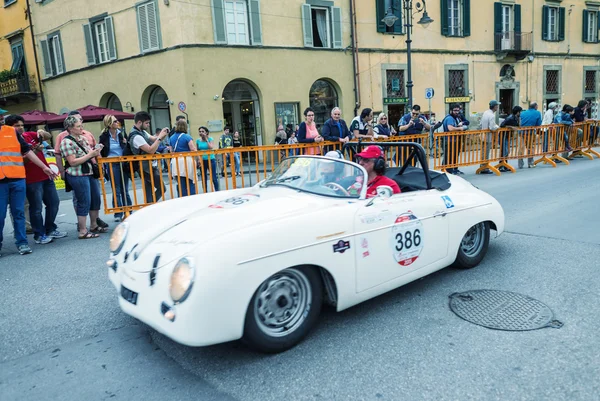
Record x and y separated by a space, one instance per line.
439 214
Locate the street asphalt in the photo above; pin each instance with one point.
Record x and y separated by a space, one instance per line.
63 336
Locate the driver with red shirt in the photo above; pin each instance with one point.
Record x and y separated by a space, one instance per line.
372 159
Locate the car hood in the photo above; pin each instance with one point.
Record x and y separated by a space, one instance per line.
177 227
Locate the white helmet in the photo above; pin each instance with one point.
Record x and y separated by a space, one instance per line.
334 154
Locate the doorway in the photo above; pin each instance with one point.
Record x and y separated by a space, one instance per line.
241 112
395 113
159 110
506 102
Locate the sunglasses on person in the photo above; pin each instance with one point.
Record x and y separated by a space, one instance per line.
415 114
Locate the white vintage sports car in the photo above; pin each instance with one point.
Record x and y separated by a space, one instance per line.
258 263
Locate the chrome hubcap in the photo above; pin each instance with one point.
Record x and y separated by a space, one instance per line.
472 242
283 303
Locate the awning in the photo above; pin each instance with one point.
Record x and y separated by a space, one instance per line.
93 113
37 117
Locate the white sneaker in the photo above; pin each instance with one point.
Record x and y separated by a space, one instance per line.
57 234
43 240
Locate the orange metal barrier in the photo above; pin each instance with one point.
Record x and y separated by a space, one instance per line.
492 149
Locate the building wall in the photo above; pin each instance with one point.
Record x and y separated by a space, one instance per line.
431 52
190 67
12 19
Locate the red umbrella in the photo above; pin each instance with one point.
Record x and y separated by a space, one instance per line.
37 117
93 113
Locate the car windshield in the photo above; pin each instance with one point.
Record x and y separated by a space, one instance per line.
319 175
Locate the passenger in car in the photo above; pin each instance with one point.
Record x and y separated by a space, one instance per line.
373 160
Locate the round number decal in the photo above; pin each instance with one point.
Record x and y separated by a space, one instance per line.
407 239
235 201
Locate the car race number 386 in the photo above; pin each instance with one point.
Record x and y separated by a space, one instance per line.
407 238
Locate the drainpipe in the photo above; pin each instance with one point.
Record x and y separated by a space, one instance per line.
35 56
354 56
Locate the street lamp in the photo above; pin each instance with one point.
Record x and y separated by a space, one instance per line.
390 19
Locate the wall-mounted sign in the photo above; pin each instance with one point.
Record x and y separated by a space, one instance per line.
214 125
181 106
459 99
396 84
395 100
429 92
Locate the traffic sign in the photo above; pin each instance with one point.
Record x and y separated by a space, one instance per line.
181 106
429 92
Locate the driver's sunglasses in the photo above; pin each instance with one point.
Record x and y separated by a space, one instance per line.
364 160
415 114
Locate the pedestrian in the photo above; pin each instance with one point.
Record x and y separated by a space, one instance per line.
237 143
183 168
281 139
488 123
308 133
225 142
565 117
293 141
79 160
529 118
209 166
513 121
13 150
142 143
413 123
362 126
454 125
41 192
548 120
114 141
383 129
60 163
335 129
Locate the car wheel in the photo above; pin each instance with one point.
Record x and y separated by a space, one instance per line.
473 246
283 309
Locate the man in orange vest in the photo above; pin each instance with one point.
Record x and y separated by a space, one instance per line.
13 149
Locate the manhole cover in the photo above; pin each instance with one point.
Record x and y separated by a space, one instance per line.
502 310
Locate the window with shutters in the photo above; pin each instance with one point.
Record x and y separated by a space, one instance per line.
237 22
553 23
18 56
456 18
394 8
322 25
236 19
591 25
52 54
99 36
148 26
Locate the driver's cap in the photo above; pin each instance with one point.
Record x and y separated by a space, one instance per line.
371 152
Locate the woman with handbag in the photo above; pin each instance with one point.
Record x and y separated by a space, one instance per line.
307 133
81 173
209 166
114 141
183 168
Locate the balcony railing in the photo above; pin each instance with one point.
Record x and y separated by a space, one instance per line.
512 42
24 85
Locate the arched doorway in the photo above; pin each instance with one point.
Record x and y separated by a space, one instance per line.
111 101
323 97
241 111
159 109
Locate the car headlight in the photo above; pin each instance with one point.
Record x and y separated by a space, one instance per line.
117 239
182 280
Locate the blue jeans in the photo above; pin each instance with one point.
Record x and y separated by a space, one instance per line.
42 194
121 188
215 179
236 157
13 194
87 191
187 186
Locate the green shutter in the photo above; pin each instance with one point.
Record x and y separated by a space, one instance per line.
444 16
598 27
517 9
255 22
561 26
60 68
337 27
497 17
585 26
545 16
46 57
379 14
89 44
399 24
110 32
307 25
218 16
467 18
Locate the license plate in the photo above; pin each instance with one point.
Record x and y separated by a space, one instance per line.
128 295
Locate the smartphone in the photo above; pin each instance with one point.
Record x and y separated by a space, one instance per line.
98 146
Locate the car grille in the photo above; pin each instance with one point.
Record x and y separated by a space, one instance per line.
128 295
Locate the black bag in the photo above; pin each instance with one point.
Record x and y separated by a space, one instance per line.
85 168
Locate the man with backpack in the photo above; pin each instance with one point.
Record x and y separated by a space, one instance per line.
142 143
